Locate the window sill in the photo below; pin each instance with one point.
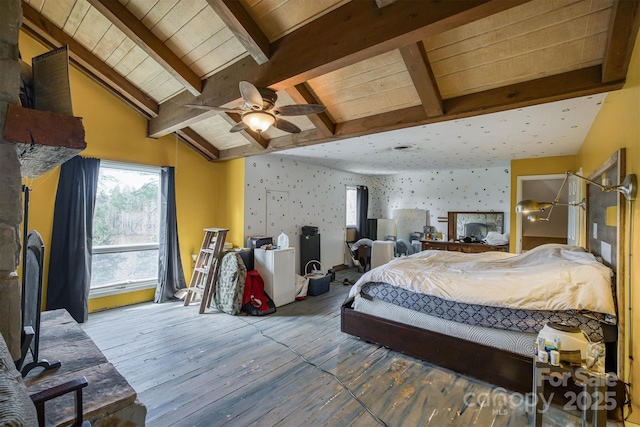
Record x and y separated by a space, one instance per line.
121 288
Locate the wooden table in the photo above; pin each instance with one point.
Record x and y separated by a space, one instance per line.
108 399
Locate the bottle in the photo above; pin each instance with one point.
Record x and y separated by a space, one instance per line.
283 241
556 342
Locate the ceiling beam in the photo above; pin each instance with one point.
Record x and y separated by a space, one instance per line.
383 3
323 124
50 35
243 27
623 30
126 22
198 143
304 138
417 62
345 36
587 81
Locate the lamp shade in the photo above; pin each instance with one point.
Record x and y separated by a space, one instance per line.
258 121
526 206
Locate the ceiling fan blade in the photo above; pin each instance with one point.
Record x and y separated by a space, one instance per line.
238 127
251 95
298 109
286 126
211 108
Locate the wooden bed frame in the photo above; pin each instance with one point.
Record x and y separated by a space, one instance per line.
506 369
499 367
502 368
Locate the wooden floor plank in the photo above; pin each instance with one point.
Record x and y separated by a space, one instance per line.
216 369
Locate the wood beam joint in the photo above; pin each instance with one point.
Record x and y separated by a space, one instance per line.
302 95
198 143
587 81
354 33
623 31
417 62
243 27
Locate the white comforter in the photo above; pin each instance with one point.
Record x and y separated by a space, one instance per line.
550 277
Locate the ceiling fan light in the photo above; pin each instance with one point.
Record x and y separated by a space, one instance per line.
258 121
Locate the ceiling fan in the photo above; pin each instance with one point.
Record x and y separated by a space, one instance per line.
258 110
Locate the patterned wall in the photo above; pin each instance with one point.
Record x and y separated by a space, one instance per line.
316 196
441 191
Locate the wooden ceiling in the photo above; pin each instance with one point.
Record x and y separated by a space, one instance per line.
376 65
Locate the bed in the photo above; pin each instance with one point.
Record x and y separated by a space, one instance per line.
485 346
479 314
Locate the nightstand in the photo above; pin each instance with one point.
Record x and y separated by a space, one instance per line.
593 399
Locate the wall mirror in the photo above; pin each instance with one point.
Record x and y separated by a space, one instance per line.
475 225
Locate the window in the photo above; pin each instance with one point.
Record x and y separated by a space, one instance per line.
352 206
126 226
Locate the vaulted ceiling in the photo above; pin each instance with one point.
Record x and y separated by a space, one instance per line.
376 65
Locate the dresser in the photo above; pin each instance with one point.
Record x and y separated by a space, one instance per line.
470 248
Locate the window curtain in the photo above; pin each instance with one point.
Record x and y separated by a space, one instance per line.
71 239
362 207
170 273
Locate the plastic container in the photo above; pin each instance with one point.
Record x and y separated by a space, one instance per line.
569 338
283 241
319 285
319 282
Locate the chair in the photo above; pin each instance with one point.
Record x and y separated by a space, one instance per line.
40 398
364 257
360 253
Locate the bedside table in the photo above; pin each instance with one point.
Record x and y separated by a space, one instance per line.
593 400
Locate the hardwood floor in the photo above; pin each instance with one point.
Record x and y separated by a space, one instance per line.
220 370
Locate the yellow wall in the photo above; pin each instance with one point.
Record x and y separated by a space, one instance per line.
208 194
232 194
536 166
618 125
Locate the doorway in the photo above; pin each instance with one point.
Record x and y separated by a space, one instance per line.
563 224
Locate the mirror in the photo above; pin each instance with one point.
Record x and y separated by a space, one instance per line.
475 225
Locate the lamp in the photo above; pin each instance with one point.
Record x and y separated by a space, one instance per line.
258 121
628 188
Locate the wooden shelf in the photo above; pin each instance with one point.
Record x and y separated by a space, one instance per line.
44 139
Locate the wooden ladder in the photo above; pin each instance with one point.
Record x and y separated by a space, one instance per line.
206 269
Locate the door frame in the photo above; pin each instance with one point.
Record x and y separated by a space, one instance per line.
520 179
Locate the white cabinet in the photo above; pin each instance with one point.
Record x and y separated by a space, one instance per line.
277 268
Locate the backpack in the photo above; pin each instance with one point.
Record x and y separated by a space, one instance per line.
230 284
256 302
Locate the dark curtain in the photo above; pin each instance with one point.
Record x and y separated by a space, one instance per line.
71 239
170 273
362 207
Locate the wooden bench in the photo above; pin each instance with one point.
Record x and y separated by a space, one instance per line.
108 399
